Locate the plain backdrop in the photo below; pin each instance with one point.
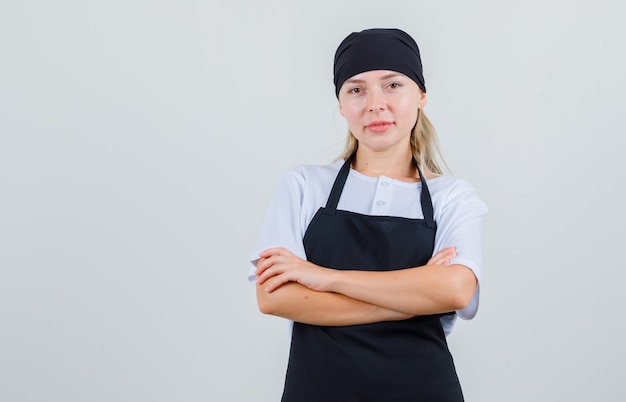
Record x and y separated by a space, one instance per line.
140 143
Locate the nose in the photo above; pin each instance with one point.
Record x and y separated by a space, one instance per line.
376 101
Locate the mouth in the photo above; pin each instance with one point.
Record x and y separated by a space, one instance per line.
379 126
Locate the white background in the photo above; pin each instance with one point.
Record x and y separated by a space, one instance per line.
140 142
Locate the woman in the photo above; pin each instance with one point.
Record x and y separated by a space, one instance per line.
347 250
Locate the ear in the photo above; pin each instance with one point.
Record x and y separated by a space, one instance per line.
422 100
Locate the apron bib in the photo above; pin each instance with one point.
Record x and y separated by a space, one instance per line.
393 361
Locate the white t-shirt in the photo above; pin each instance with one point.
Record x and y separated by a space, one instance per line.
301 191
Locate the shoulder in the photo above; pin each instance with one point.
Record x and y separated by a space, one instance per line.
452 191
310 175
314 171
450 185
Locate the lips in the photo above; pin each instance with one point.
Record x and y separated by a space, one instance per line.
379 126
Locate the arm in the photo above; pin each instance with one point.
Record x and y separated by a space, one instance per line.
431 289
299 303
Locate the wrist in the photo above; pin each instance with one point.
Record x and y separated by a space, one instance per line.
335 279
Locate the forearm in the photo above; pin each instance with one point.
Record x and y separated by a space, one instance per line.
299 303
423 290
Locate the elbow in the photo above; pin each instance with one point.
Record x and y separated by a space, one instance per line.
463 288
461 300
266 308
263 307
268 303
263 302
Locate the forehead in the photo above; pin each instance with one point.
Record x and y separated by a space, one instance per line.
376 75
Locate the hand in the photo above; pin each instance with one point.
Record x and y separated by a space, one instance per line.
443 256
282 266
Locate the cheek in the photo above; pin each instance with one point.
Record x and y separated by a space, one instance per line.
410 110
350 111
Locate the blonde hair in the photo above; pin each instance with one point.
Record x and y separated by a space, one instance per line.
424 146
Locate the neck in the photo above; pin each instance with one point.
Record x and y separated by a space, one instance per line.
395 164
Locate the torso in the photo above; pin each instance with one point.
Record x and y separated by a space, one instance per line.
397 361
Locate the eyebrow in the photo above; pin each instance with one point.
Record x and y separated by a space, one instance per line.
385 77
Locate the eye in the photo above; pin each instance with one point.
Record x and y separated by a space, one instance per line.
355 90
394 85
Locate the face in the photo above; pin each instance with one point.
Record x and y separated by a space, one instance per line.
381 108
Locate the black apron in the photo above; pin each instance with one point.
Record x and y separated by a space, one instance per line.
393 361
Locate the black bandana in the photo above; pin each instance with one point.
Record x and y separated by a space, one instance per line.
378 49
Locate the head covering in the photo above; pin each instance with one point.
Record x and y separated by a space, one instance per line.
378 49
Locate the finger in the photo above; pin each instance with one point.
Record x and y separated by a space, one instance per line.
272 284
267 262
445 260
445 252
273 266
437 258
266 253
274 251
275 282
264 276
269 271
263 264
443 255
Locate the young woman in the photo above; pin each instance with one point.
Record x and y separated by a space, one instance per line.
374 256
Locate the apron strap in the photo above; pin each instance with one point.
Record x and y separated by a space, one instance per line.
426 201
340 181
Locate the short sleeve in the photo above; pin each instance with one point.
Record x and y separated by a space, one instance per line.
459 224
282 224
